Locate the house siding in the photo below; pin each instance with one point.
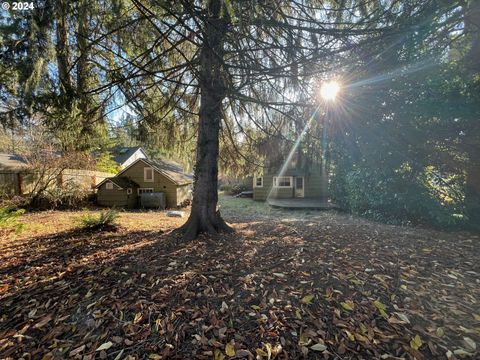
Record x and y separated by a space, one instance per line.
315 186
160 183
116 197
183 193
279 193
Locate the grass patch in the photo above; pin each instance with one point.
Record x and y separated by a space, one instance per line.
231 206
247 207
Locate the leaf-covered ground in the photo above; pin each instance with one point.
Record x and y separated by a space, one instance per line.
286 285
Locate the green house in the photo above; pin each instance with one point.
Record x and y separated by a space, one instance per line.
299 177
146 176
291 184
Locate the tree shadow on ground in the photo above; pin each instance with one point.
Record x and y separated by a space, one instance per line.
65 246
150 293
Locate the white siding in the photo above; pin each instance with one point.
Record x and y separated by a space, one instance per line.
139 154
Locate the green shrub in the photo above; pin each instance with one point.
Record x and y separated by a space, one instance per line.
105 220
72 195
105 163
394 197
9 219
225 188
238 188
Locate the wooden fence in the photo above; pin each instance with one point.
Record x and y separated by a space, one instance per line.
19 182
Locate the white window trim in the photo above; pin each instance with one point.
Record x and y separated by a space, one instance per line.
255 181
129 191
109 185
275 181
138 190
145 174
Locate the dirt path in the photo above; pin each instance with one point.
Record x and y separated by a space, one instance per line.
286 285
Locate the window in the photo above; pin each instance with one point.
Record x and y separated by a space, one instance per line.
258 182
109 185
282 181
144 190
148 174
129 191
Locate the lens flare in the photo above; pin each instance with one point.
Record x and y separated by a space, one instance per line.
329 90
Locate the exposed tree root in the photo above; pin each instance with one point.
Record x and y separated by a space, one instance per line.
200 223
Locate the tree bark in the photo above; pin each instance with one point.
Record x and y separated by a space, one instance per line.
204 217
62 50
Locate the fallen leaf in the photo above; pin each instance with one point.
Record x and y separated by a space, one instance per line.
440 332
318 347
230 350
403 317
350 335
119 355
416 342
470 344
260 352
269 350
218 355
154 356
138 317
224 307
348 305
360 337
298 314
307 299
381 308
76 351
106 270
105 346
45 320
462 352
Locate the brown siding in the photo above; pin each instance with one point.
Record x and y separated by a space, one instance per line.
160 183
183 193
262 193
116 197
267 190
316 186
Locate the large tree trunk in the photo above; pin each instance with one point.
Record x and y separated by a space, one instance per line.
472 193
82 43
62 50
472 138
204 217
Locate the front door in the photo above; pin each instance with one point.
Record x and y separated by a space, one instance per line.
299 187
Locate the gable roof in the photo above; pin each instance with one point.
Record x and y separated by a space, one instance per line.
170 169
120 154
11 162
120 181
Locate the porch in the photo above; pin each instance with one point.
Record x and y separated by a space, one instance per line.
302 203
